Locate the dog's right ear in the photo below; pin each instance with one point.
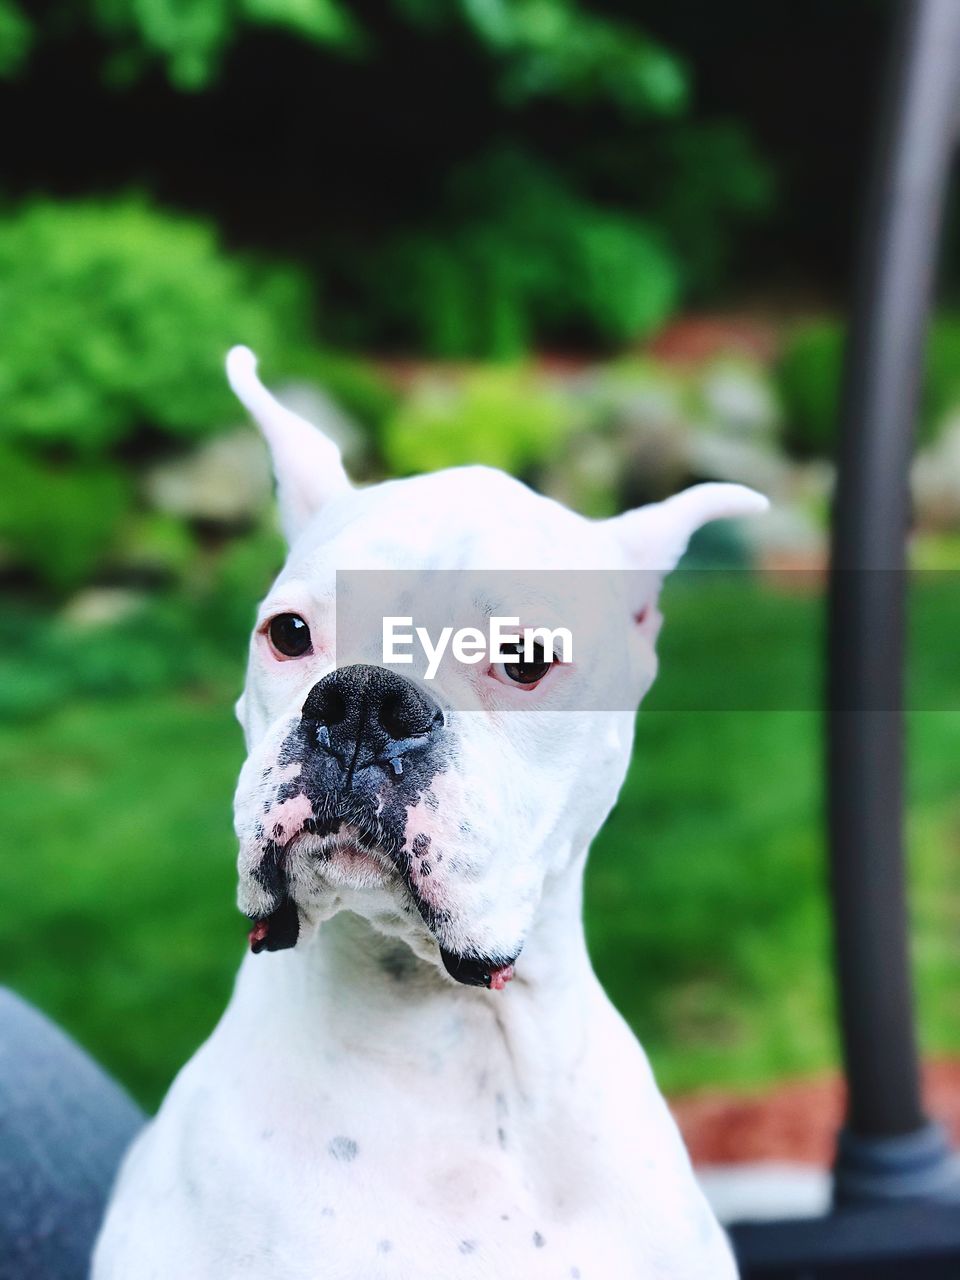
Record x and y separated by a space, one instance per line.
306 464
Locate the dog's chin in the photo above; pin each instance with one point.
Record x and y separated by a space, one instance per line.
308 876
340 868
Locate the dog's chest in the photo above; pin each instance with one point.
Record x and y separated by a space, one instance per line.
455 1204
447 1179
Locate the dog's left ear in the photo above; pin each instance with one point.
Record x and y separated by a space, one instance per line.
655 537
306 463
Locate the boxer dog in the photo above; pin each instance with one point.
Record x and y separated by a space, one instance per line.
418 1076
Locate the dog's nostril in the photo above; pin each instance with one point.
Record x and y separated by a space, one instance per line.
331 707
402 714
393 718
371 707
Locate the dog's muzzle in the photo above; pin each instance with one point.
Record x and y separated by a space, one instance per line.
368 744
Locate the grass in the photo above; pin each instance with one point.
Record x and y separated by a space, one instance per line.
705 905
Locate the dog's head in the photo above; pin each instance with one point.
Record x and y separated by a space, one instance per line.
439 808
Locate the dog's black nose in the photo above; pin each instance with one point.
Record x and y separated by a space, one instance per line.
366 715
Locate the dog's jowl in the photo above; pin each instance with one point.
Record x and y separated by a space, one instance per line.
418 1075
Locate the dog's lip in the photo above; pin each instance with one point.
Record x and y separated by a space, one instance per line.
278 931
492 972
344 850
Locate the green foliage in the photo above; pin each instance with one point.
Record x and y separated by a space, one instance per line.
46 662
542 47
809 379
941 393
242 577
60 520
190 36
555 48
157 545
706 177
160 643
117 316
520 254
589 229
16 36
504 417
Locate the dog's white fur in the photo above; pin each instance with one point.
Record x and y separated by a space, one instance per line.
357 1113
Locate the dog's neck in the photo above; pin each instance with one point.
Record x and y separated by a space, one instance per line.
350 990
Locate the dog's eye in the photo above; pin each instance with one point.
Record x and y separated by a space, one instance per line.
289 635
528 673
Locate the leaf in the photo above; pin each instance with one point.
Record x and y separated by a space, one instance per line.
16 37
324 21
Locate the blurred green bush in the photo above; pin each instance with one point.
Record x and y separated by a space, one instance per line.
571 193
164 640
506 417
116 319
519 253
60 519
808 378
809 373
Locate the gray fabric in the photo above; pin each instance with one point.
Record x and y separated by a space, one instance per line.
64 1126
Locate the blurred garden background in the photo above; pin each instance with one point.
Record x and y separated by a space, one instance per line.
606 246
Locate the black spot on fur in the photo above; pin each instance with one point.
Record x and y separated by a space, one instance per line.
421 843
468 1246
270 873
399 962
426 869
343 1149
502 1138
538 1240
431 801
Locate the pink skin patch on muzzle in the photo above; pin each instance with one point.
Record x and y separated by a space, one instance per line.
285 819
500 977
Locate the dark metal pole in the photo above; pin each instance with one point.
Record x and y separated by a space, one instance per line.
866 616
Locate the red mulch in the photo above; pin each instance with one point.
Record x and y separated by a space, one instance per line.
796 1121
692 339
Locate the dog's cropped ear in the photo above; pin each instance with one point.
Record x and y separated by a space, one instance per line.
306 463
655 537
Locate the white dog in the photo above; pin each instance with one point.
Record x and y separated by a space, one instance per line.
379 1100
